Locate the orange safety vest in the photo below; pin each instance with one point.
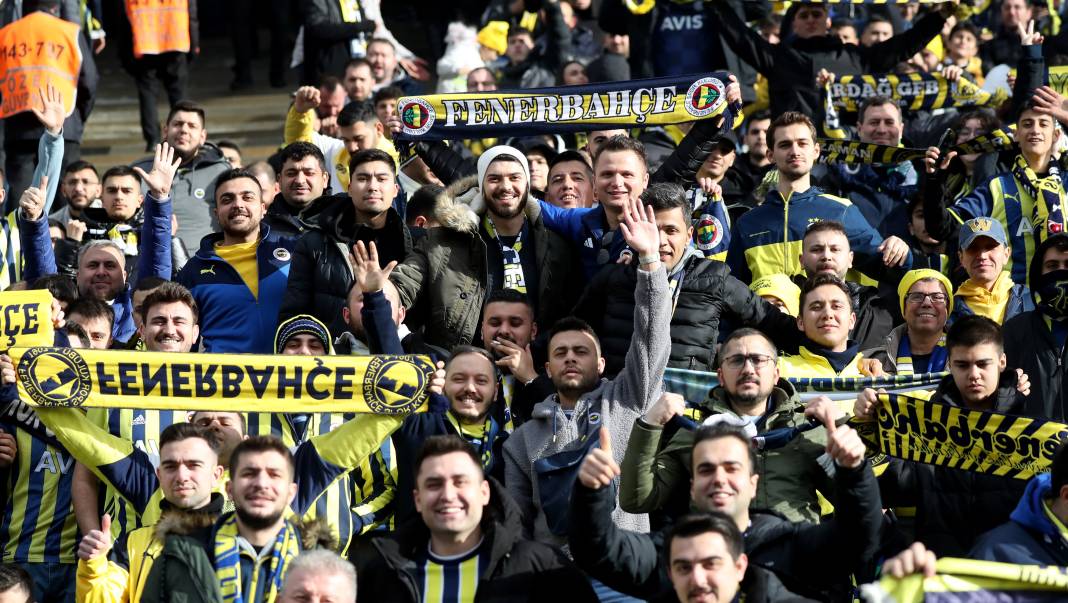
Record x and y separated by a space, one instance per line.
159 26
35 51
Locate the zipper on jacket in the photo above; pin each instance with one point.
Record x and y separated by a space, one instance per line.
785 233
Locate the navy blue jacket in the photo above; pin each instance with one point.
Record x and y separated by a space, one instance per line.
154 258
1029 537
231 318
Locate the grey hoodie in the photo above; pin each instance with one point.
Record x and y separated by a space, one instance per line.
620 401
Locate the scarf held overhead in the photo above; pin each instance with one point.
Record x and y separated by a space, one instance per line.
50 376
647 102
961 580
913 91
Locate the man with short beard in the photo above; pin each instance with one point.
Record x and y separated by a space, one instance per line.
80 186
506 247
101 264
303 179
239 276
751 393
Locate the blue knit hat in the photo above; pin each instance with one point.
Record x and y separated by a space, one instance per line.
302 324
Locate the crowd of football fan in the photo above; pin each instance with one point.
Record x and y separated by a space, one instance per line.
553 279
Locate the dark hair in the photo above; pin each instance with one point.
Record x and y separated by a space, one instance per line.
235 174
148 283
519 30
620 142
187 106
875 101
295 151
387 93
571 155
357 111
440 445
357 62
240 420
825 226
757 116
119 171
841 22
972 330
77 166
877 18
747 332
988 120
61 286
385 41
695 524
169 293
369 155
424 201
176 432
665 196
707 433
261 443
789 118
965 26
573 323
508 296
329 83
13 576
75 330
819 280
92 308
462 350
1059 470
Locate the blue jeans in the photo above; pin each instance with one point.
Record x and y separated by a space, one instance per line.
52 582
607 595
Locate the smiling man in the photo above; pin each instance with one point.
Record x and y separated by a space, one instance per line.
303 179
239 276
918 346
826 320
989 290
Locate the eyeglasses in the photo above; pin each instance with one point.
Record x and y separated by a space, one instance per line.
737 361
938 299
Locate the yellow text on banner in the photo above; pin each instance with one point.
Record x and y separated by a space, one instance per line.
25 319
49 376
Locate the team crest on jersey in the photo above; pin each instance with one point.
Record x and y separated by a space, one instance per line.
417 115
393 386
55 376
199 193
282 254
708 232
704 96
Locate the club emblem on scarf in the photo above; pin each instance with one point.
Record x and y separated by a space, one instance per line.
417 115
708 232
54 377
704 96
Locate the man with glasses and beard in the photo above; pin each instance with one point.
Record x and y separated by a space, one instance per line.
239 276
751 395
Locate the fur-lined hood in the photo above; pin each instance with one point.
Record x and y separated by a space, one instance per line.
466 206
314 533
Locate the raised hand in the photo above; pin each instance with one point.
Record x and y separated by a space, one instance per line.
640 231
52 113
32 201
914 560
97 542
7 370
437 382
369 275
306 99
1048 101
894 250
517 359
824 410
8 449
844 446
934 160
598 469
1028 35
164 167
76 230
734 90
666 408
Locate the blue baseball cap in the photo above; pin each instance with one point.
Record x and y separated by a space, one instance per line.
982 227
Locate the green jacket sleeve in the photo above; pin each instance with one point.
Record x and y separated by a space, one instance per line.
648 479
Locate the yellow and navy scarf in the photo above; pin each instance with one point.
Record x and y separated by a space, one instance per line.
1048 194
513 277
989 303
228 562
481 437
937 363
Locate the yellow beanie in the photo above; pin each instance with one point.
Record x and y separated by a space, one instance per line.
912 276
494 36
779 285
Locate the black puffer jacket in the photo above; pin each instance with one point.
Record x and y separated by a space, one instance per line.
709 294
320 274
953 506
517 570
328 38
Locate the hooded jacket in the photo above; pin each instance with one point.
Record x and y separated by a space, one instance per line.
450 269
320 273
232 319
193 192
1031 346
517 569
1029 537
708 296
654 476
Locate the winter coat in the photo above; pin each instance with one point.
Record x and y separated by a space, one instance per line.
450 269
1029 537
654 476
539 69
328 39
517 569
320 273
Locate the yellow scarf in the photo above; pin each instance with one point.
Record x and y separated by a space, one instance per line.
1055 520
990 304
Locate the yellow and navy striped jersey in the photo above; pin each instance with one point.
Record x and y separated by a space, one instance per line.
38 524
142 429
374 485
451 579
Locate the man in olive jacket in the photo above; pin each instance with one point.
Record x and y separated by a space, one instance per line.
751 393
495 240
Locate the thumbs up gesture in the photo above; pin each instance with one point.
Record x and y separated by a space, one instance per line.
96 543
598 469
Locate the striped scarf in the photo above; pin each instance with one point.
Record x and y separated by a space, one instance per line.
228 562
